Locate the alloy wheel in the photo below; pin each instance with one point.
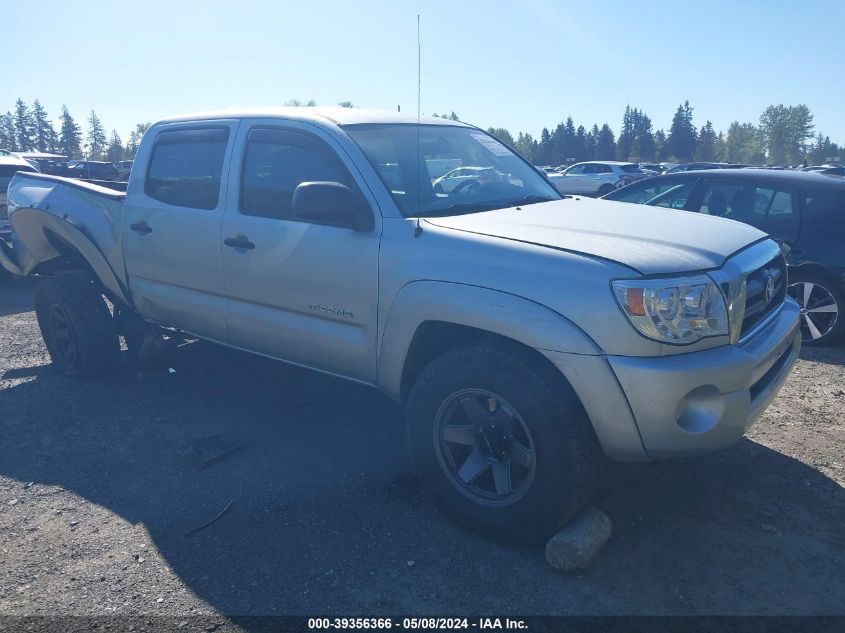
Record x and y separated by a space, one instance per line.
484 447
819 310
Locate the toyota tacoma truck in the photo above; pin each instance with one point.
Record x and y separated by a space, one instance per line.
524 331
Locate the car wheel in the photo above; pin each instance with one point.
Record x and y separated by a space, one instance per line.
77 327
822 304
604 190
502 447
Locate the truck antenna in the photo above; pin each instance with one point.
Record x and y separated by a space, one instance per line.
418 229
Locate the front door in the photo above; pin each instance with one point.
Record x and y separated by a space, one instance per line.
299 291
171 226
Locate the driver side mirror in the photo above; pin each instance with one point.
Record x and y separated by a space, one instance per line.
331 203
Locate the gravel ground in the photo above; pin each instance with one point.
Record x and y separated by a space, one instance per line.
100 482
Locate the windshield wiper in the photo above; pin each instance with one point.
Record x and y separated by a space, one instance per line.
534 200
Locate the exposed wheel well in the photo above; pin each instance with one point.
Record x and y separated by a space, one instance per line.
432 338
814 270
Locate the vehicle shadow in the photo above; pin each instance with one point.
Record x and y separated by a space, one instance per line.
16 294
830 355
327 517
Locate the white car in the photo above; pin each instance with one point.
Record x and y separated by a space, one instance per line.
466 178
596 178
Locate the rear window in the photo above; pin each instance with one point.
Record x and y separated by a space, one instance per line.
186 167
631 169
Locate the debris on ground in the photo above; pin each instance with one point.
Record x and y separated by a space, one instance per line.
207 523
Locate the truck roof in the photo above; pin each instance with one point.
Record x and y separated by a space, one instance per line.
338 116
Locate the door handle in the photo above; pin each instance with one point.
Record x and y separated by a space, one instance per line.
141 227
240 241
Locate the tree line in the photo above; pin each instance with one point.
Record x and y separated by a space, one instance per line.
783 135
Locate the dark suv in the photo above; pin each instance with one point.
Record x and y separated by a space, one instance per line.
804 210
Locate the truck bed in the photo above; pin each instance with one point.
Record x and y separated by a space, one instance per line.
48 213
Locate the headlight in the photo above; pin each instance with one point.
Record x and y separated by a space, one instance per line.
679 310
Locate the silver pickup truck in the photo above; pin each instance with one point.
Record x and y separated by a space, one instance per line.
523 331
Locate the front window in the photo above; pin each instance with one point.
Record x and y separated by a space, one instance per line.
410 160
658 193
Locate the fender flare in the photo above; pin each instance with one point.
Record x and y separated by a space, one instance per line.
514 317
45 236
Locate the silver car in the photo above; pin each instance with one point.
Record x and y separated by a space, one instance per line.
597 178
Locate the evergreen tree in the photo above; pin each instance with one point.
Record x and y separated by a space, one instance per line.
24 127
605 144
115 151
581 150
720 147
70 136
592 142
660 146
43 129
97 141
626 136
682 138
544 154
8 138
706 148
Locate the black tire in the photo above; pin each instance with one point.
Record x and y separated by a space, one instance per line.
77 326
564 446
823 293
604 190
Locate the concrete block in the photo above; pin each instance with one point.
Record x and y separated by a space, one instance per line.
579 541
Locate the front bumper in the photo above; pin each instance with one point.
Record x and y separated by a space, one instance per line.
685 404
700 402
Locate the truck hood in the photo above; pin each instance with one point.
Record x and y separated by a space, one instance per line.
650 240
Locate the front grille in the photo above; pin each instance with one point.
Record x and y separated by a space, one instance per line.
758 305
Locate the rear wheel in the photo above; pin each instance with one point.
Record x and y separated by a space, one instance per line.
822 304
503 448
77 326
604 190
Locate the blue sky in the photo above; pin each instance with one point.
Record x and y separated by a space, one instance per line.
519 65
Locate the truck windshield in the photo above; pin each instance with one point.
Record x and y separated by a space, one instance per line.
436 170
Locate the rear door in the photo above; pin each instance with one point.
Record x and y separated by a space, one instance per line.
172 222
299 291
770 206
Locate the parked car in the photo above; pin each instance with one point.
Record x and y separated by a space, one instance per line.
522 331
804 210
596 178
92 170
467 179
652 169
699 166
9 166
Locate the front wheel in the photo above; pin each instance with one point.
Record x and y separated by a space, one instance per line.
502 447
822 303
604 190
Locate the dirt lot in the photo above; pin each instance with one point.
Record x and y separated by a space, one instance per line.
99 484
